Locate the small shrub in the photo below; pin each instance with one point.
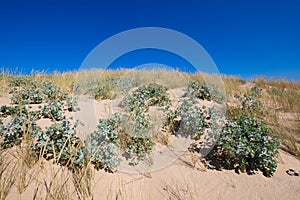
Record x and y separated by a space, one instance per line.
72 104
101 145
204 92
145 96
140 147
54 110
13 133
198 90
25 91
6 111
250 104
59 142
245 144
52 92
137 104
190 120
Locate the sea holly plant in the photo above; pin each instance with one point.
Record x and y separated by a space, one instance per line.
145 96
198 90
250 104
6 111
137 104
52 92
206 91
72 104
53 109
59 142
21 110
140 146
25 91
192 119
214 121
15 131
101 145
188 119
245 145
141 142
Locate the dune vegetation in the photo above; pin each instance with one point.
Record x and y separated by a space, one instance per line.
260 117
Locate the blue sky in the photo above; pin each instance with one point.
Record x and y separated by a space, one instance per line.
245 38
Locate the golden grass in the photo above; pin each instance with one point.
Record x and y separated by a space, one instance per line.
43 179
281 99
7 171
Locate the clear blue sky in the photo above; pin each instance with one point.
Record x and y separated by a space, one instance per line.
244 38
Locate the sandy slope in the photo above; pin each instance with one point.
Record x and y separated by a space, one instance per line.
179 180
